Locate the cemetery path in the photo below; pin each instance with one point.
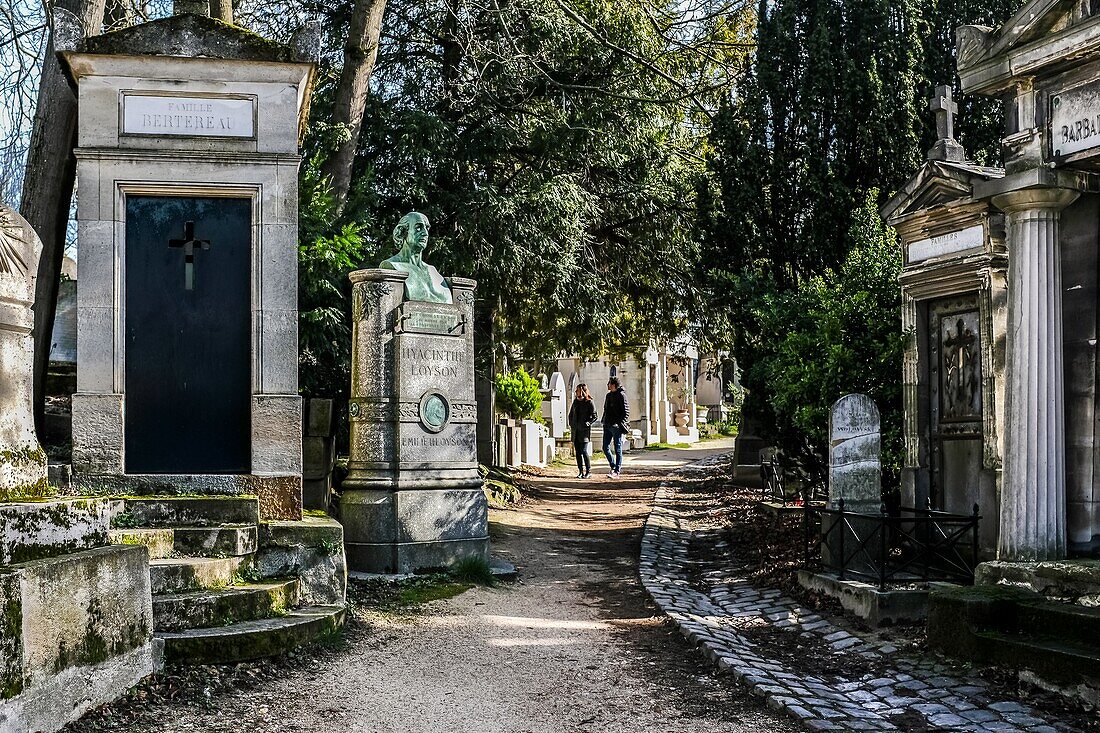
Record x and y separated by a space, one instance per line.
574 645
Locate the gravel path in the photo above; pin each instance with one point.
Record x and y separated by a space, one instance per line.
574 645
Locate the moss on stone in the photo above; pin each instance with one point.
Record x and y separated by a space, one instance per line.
191 36
11 638
39 490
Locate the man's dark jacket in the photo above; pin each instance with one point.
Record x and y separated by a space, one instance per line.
615 409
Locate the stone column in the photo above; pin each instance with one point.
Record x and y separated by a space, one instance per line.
1033 500
22 462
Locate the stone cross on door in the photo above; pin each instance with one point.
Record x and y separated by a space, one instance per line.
946 147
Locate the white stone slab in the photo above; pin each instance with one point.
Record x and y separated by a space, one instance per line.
945 244
191 116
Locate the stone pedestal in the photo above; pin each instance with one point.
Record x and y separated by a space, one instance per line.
22 462
413 496
1033 501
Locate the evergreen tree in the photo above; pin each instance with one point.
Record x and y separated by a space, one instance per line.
833 109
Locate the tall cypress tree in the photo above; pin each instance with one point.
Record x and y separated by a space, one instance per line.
828 113
833 110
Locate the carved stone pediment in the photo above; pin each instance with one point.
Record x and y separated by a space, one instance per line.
972 44
1039 18
939 183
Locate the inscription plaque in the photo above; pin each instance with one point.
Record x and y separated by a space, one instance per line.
152 114
1075 120
945 244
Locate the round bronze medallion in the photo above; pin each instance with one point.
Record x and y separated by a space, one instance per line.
435 411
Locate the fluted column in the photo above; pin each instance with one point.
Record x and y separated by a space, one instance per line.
1033 498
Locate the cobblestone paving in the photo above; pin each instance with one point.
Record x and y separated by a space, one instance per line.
722 612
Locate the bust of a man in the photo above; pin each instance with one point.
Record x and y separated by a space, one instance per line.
424 281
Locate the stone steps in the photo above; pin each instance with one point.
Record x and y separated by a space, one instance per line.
1056 661
35 530
1062 579
209 608
166 542
1071 623
158 540
225 539
1015 627
174 575
247 640
201 547
190 511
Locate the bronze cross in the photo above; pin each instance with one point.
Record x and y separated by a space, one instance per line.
189 243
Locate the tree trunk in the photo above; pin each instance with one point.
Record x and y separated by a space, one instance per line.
222 10
48 187
360 53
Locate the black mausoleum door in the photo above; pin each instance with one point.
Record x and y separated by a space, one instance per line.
188 335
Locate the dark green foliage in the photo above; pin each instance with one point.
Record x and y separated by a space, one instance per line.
980 125
327 252
802 274
555 169
835 333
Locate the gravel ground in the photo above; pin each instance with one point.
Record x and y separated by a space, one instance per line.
574 645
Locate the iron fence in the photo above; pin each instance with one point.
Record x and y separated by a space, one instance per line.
906 545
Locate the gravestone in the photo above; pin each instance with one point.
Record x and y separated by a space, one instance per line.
855 471
412 498
554 408
22 462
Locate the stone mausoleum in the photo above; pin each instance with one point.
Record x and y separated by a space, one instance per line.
1000 293
184 539
187 320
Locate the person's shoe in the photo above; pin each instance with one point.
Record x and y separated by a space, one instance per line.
587 475
580 475
612 474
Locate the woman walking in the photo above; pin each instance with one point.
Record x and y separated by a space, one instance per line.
581 416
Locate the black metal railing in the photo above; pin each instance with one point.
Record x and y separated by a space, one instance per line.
906 545
775 488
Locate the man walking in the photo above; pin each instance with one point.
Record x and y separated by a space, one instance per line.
616 414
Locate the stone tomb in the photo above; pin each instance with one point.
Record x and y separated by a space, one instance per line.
954 295
855 472
187 232
22 462
413 496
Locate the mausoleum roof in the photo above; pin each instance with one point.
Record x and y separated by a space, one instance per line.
938 182
191 36
1043 37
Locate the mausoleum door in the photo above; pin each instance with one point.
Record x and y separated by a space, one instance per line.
188 335
955 390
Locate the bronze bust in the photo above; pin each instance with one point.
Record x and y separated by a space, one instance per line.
424 281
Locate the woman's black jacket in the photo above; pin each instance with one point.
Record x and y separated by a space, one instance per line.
581 416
